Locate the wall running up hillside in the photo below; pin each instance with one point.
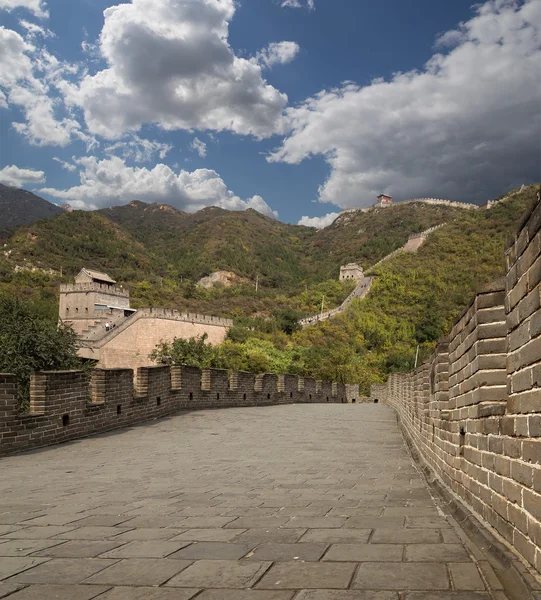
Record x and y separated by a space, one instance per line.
474 410
66 405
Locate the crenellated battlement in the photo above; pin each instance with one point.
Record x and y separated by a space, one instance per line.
473 410
67 405
169 313
112 290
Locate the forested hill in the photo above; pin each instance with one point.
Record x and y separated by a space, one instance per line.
151 242
160 253
20 207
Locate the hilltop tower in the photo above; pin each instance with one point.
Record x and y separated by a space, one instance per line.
93 297
351 271
384 201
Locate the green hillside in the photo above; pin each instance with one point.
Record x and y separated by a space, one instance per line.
160 253
366 237
414 301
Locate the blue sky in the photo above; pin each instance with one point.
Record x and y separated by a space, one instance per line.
296 111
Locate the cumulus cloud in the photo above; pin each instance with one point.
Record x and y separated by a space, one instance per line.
277 53
319 222
27 76
110 182
38 7
199 147
170 63
17 177
463 127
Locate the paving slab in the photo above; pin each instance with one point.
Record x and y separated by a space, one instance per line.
11 565
220 574
364 553
466 576
261 535
145 549
147 593
77 549
345 595
447 596
288 552
436 553
7 589
208 535
139 572
59 592
63 570
298 502
25 547
244 595
295 575
402 576
213 551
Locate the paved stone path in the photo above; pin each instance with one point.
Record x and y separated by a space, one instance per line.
304 502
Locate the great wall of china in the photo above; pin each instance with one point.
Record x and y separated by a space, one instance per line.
68 405
472 412
364 285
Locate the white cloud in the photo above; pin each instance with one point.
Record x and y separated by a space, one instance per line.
17 177
38 7
319 222
109 182
297 4
33 30
464 127
198 146
138 149
26 78
277 53
170 63
65 165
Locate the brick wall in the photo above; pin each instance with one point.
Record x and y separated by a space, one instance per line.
66 405
474 410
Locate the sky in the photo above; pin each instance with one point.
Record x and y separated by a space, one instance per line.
296 108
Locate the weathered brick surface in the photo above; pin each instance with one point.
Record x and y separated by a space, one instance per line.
67 405
478 421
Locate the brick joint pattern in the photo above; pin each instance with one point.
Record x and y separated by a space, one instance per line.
474 409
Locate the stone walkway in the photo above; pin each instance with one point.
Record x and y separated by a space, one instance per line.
304 502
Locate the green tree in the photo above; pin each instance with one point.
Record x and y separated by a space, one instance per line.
31 341
194 352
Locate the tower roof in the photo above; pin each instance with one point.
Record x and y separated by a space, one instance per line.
96 276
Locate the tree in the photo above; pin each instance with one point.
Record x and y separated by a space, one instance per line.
194 352
30 341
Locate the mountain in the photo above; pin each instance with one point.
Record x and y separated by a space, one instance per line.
160 253
21 207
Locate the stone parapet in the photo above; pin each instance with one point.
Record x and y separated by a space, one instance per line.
94 287
473 411
68 405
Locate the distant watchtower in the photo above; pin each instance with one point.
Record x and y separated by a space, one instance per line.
93 297
351 271
384 201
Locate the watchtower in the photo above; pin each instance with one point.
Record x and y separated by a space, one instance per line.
384 201
94 296
351 271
